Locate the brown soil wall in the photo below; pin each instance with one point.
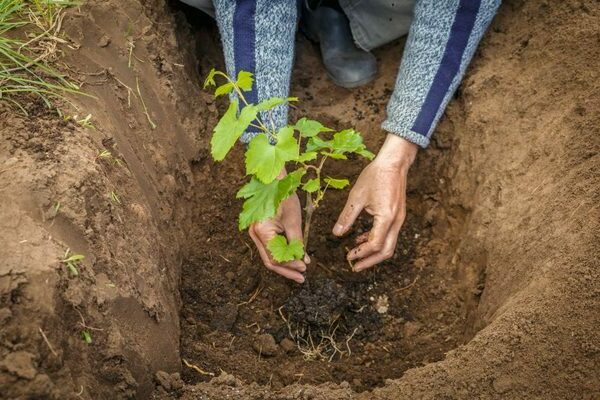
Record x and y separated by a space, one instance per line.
508 193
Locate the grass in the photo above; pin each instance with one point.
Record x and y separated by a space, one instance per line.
29 37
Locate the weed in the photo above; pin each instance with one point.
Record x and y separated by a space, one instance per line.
86 336
114 197
72 261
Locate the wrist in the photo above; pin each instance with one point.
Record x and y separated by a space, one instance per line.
397 151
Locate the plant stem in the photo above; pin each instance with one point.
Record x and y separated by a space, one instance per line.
310 209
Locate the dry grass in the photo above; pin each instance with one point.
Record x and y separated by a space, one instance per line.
29 40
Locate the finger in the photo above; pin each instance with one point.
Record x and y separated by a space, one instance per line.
347 217
270 263
297 265
372 260
376 240
388 250
260 240
287 273
262 251
363 237
306 258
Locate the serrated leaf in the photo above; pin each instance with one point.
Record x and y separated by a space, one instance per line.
290 183
308 156
312 185
230 128
282 251
337 183
266 160
244 80
335 156
274 102
224 89
262 200
316 143
210 78
347 141
309 128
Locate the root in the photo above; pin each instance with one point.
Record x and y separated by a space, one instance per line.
196 368
47 342
322 346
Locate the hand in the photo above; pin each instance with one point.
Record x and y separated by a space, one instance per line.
381 191
289 221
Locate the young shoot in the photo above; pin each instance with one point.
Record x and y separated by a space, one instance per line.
71 261
307 144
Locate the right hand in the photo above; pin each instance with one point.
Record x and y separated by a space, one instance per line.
288 221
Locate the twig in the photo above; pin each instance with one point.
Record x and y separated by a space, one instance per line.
253 297
47 342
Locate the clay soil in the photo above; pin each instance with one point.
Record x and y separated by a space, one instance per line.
493 291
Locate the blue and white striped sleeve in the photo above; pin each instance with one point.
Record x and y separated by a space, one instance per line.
442 40
258 37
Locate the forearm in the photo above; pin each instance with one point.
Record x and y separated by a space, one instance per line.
258 37
441 43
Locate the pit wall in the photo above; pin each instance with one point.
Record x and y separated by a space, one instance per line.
522 165
56 195
519 188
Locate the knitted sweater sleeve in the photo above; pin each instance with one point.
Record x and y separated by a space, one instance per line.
441 42
258 37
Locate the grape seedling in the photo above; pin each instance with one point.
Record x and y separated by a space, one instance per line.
308 144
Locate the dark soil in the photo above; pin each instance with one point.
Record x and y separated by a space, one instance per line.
387 319
492 293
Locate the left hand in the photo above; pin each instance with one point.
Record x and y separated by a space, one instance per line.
381 191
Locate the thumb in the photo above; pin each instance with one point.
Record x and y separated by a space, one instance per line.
349 214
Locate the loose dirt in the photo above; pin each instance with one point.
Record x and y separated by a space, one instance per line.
492 293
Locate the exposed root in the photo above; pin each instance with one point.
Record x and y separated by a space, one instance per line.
196 368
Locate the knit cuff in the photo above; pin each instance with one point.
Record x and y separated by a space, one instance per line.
405 133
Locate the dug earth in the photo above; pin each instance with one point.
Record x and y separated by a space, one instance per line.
493 292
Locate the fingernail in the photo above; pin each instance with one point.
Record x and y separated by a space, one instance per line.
301 280
338 229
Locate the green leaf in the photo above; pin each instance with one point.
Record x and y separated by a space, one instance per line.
309 128
316 143
365 153
266 160
224 89
72 269
290 183
335 156
210 79
86 336
347 141
337 183
308 156
74 258
312 185
230 128
262 200
282 251
244 80
274 102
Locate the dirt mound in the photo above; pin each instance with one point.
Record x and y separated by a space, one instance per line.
493 292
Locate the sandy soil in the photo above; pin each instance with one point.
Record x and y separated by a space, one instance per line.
494 290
